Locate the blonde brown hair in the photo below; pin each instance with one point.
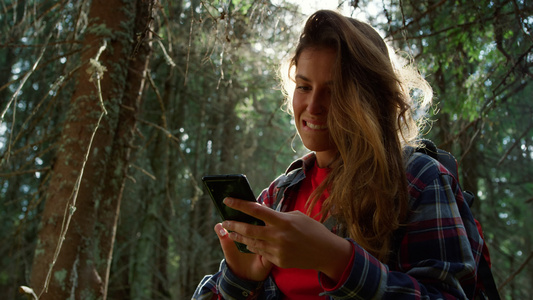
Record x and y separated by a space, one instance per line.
370 120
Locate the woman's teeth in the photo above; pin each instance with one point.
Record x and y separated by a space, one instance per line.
316 127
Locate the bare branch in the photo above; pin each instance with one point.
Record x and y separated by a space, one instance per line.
28 291
26 76
21 172
520 269
70 208
144 172
66 42
189 50
96 69
159 99
514 145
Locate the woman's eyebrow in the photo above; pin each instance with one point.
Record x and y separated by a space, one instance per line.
302 77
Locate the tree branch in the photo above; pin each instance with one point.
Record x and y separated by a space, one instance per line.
514 145
21 172
520 269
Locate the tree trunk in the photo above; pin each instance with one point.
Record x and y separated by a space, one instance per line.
119 163
84 212
146 248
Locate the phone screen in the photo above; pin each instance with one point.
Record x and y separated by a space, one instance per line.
235 186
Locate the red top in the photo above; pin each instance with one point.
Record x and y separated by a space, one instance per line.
299 283
313 179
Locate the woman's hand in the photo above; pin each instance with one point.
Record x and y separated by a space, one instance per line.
290 240
245 265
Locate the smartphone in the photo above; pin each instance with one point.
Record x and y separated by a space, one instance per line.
235 186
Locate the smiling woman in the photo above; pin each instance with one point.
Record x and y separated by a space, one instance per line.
361 215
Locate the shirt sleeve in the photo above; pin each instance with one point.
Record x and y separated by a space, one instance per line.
439 250
226 285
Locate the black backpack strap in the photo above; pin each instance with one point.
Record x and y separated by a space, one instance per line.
447 160
485 275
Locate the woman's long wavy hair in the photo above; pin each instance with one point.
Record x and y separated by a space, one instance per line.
370 120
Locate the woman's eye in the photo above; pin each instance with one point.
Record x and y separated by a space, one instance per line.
303 88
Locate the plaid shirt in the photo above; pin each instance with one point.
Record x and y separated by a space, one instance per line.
436 252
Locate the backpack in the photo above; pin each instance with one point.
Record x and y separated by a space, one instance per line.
485 277
484 269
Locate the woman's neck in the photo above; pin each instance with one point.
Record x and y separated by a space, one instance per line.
325 158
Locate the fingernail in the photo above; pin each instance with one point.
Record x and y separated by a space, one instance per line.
222 232
227 200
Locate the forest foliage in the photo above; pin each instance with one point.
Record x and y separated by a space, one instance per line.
111 114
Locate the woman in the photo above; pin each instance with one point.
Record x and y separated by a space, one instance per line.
362 216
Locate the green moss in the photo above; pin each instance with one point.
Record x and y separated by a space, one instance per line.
61 276
101 30
39 249
88 294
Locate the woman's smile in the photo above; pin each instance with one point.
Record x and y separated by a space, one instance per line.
315 126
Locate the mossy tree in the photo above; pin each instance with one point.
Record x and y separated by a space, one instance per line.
77 233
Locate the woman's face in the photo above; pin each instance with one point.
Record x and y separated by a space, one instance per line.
311 101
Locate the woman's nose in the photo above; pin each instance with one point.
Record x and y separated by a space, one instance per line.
316 104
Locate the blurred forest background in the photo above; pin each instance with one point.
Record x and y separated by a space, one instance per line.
111 111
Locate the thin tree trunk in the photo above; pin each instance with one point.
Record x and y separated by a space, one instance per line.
109 209
145 260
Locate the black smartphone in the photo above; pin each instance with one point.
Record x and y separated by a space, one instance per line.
235 186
